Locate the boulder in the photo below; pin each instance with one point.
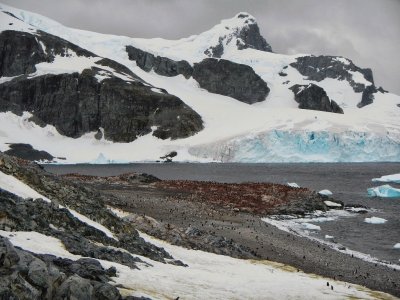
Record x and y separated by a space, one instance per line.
75 288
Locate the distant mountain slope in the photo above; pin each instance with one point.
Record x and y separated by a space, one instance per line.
246 103
78 92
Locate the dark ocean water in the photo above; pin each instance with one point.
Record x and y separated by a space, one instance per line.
347 181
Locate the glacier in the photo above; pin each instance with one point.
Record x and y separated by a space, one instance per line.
303 146
384 191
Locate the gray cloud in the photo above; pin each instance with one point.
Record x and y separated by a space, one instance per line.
366 31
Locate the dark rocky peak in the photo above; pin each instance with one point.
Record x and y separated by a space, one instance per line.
314 97
318 68
242 31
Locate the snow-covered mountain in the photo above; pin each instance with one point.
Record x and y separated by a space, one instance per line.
222 95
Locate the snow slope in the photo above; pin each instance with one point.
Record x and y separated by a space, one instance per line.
274 130
17 187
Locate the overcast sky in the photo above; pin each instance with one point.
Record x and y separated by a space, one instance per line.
366 31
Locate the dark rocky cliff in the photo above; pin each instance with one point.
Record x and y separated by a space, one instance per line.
80 103
227 78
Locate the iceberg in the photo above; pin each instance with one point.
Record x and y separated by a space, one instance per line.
395 178
325 193
332 204
293 184
385 191
310 226
375 220
101 160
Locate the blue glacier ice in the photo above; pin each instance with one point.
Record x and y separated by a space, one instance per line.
303 146
386 191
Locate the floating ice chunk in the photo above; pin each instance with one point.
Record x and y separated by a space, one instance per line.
332 204
357 209
325 192
388 178
293 184
311 226
329 237
375 220
397 246
386 191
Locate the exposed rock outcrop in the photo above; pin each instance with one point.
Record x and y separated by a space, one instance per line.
243 31
161 65
320 67
368 96
80 103
27 275
230 79
315 98
26 151
21 51
250 36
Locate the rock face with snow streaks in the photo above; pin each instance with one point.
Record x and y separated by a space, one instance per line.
161 65
318 68
246 35
78 103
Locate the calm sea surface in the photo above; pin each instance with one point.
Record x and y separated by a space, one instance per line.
347 181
